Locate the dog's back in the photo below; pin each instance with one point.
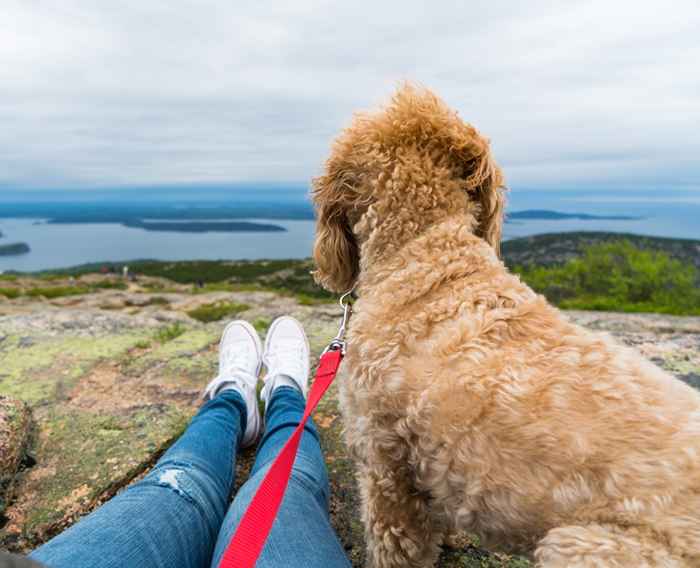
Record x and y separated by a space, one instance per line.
469 401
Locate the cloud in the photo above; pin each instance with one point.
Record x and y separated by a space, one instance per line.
572 94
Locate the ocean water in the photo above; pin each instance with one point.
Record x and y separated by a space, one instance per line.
63 245
666 214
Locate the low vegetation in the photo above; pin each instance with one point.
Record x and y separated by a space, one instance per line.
618 276
58 290
595 271
261 325
51 292
285 276
217 311
10 293
169 333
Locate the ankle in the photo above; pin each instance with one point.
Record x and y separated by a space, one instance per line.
277 381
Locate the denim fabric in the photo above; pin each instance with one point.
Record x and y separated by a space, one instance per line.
173 516
301 534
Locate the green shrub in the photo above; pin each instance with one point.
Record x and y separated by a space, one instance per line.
261 324
307 300
169 333
618 276
56 291
216 311
110 285
10 293
291 276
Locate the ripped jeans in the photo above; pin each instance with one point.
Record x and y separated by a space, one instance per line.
176 516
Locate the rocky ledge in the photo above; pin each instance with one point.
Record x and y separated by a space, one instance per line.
94 387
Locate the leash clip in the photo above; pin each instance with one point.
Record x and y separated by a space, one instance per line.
338 342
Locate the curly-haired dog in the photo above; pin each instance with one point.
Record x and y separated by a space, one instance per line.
469 402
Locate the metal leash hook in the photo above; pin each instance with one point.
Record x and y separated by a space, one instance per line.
338 342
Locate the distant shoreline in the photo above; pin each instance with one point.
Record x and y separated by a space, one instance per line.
144 215
546 215
205 227
545 249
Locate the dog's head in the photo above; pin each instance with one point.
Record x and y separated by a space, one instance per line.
392 174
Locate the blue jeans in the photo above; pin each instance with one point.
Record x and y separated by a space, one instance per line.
176 516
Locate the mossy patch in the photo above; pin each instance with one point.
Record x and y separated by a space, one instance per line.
35 370
261 325
82 456
15 431
217 311
10 293
165 334
176 354
51 292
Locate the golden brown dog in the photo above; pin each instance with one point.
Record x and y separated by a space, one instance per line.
469 402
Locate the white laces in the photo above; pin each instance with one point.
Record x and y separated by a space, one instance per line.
287 359
236 358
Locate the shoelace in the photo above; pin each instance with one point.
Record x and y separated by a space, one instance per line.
287 357
234 360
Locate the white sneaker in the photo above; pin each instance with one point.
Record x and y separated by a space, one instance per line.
240 359
286 357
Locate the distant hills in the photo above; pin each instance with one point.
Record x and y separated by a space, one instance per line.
204 226
542 250
13 249
543 214
556 248
139 214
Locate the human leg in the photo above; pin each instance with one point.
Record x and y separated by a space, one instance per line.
301 534
172 516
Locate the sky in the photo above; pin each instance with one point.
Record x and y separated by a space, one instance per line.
573 94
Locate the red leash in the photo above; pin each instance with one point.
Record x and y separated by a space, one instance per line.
248 541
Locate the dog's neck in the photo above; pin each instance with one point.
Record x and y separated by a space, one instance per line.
386 227
442 250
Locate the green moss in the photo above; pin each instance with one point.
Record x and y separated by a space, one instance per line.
306 300
110 285
160 288
261 325
190 371
88 454
10 293
51 292
217 311
51 277
165 334
47 368
177 355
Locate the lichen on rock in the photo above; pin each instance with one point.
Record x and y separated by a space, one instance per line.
109 389
15 432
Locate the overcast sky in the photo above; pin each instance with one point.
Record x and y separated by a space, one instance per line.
592 94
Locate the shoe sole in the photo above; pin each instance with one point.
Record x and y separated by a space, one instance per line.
303 333
257 420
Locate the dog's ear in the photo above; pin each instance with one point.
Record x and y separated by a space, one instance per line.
484 183
335 249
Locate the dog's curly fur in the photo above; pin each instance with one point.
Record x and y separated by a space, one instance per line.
469 402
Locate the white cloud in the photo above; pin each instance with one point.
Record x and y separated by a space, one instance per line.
572 94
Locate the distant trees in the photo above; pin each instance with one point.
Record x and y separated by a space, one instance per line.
618 276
